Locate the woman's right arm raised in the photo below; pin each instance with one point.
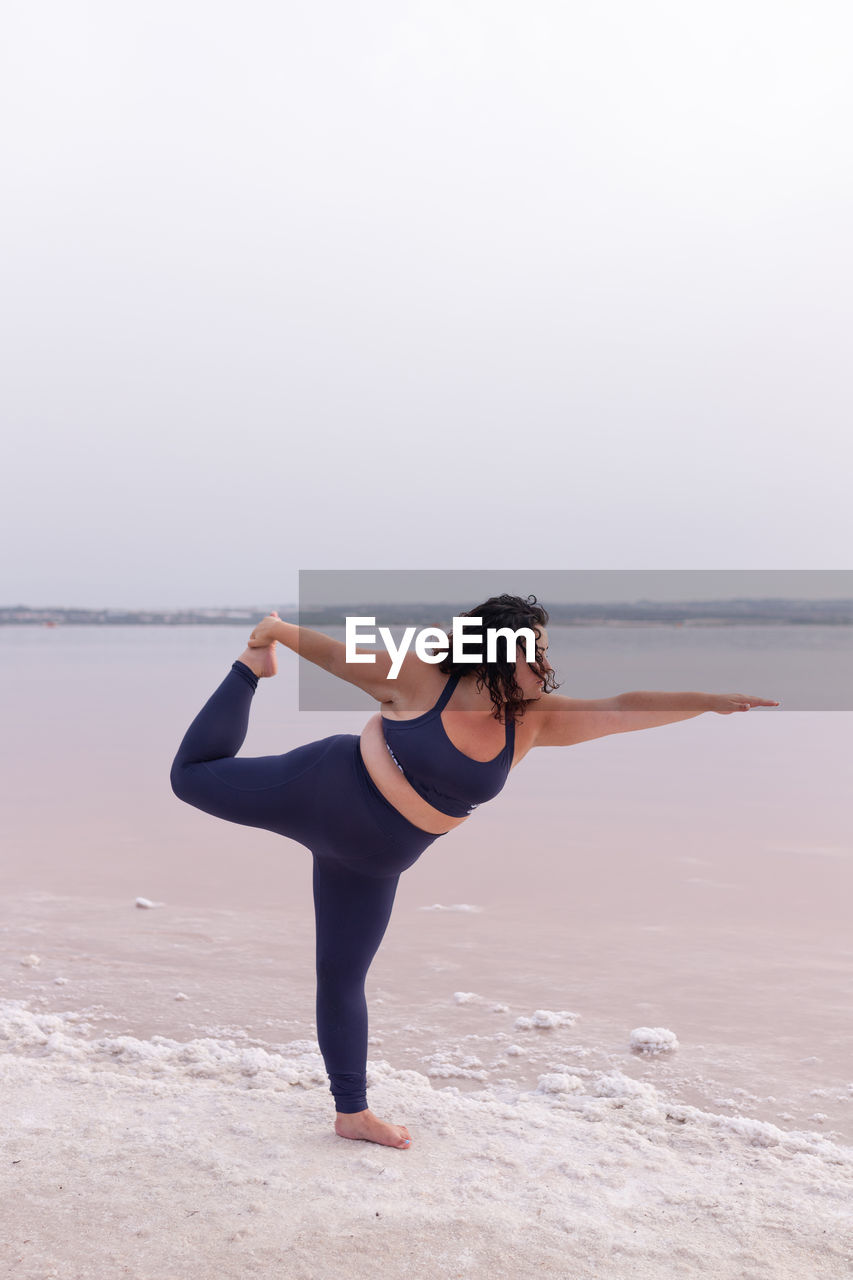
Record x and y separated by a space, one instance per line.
323 651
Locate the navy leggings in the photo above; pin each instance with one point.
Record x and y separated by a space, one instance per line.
322 796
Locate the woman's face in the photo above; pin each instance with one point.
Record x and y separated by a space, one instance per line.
531 678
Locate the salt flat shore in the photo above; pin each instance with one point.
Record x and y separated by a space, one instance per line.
162 1159
167 1117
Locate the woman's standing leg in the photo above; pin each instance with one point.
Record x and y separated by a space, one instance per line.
351 913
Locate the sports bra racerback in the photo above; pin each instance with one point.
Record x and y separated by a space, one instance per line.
441 774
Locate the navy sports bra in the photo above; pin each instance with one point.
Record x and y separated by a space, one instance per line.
443 775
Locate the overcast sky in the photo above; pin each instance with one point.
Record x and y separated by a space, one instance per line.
458 284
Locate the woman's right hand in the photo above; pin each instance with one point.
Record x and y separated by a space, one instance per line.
264 633
725 703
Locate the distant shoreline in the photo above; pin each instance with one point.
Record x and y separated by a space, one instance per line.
715 613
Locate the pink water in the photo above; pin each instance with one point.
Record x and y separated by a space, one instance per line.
695 877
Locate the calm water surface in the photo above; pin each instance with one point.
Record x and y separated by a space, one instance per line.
697 876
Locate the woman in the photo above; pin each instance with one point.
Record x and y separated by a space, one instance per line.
367 807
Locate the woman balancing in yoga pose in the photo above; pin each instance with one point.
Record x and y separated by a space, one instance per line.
367 807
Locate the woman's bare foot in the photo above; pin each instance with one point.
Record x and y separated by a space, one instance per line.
368 1127
261 658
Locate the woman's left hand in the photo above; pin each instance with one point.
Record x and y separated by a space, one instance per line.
725 703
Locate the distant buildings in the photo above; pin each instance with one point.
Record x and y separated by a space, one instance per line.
716 613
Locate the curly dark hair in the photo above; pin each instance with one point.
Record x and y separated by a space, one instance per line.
499 676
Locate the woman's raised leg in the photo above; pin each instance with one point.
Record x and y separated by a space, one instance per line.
219 729
205 772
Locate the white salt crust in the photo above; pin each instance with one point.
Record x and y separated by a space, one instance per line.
160 1158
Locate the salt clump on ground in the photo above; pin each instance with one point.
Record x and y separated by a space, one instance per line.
545 1018
459 906
557 1082
653 1039
441 1066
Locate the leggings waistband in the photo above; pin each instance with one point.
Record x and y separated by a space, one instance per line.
396 824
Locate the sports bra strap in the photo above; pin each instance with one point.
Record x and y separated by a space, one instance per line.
446 693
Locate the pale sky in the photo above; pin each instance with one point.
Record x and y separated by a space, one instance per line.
451 285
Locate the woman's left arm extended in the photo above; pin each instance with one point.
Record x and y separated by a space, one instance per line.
565 721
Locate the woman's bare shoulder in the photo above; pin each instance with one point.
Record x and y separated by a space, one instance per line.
415 689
